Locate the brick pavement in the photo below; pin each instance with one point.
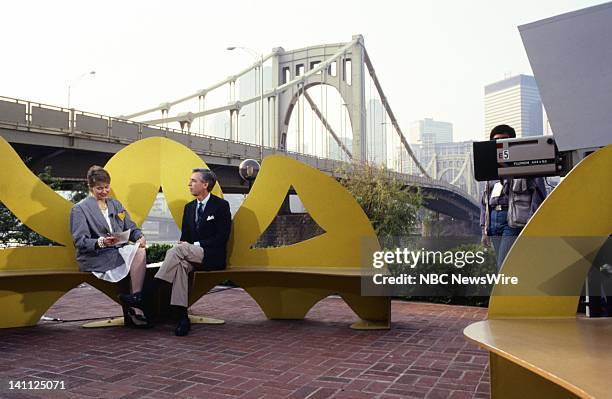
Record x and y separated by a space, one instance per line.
424 355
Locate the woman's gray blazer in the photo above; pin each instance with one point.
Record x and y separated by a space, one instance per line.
87 224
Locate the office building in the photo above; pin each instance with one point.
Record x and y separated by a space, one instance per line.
516 102
429 131
376 123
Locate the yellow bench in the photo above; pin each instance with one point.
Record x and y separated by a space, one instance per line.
289 293
538 347
286 281
547 358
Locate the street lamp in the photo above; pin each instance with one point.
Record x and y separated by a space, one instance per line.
76 81
248 170
258 57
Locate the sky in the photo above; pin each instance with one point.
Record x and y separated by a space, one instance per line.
433 58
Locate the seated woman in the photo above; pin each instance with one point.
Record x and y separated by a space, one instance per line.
92 221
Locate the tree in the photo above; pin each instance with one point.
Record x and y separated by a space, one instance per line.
390 205
14 233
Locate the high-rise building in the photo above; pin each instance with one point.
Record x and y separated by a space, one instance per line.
335 152
516 102
376 124
429 131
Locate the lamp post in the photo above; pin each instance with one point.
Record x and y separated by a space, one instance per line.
248 170
258 57
76 81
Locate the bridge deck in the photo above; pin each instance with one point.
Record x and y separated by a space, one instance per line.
31 124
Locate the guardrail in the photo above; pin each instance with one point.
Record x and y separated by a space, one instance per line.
30 115
33 116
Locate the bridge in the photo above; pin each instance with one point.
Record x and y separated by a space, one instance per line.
322 105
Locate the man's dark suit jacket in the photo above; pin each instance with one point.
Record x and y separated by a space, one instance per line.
212 231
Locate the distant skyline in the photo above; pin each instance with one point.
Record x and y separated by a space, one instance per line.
430 131
433 58
516 102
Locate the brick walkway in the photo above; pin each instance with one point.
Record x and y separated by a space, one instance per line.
424 355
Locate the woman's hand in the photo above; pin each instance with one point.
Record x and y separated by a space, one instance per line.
110 241
142 241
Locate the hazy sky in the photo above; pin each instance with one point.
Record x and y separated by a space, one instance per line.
433 58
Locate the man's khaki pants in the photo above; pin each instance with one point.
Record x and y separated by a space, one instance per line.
175 269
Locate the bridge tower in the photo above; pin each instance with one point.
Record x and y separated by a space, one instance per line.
346 73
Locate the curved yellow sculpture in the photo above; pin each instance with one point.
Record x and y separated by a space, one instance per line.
329 204
25 288
140 169
298 275
32 201
549 255
537 346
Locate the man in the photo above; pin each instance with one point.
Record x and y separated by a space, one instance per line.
507 205
204 234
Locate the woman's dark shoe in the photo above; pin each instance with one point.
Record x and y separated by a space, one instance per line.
183 327
132 300
136 320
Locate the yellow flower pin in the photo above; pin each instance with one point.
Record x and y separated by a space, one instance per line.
121 215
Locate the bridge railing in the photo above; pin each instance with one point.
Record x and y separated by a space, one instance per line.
43 118
38 117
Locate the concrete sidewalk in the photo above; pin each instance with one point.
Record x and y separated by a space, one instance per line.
424 355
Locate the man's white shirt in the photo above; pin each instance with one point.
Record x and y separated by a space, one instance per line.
203 202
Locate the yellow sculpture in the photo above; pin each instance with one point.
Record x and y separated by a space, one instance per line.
330 205
285 281
163 163
550 251
538 347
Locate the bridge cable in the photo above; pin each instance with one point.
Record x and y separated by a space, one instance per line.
312 126
276 90
373 132
329 129
370 68
324 101
370 146
303 124
343 122
323 136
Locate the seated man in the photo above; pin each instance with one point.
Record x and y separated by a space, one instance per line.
202 246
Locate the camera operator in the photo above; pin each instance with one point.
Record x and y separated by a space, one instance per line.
507 204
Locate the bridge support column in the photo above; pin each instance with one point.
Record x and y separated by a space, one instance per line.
274 120
357 108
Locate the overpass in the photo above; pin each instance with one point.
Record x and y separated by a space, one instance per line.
70 141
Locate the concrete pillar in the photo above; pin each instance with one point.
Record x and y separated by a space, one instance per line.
357 107
275 116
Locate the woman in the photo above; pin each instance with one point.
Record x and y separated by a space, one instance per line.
92 221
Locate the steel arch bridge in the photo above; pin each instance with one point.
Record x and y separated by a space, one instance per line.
348 69
362 129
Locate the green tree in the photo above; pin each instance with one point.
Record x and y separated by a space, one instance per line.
157 252
79 192
390 205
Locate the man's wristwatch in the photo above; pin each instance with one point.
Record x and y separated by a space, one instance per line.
101 242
